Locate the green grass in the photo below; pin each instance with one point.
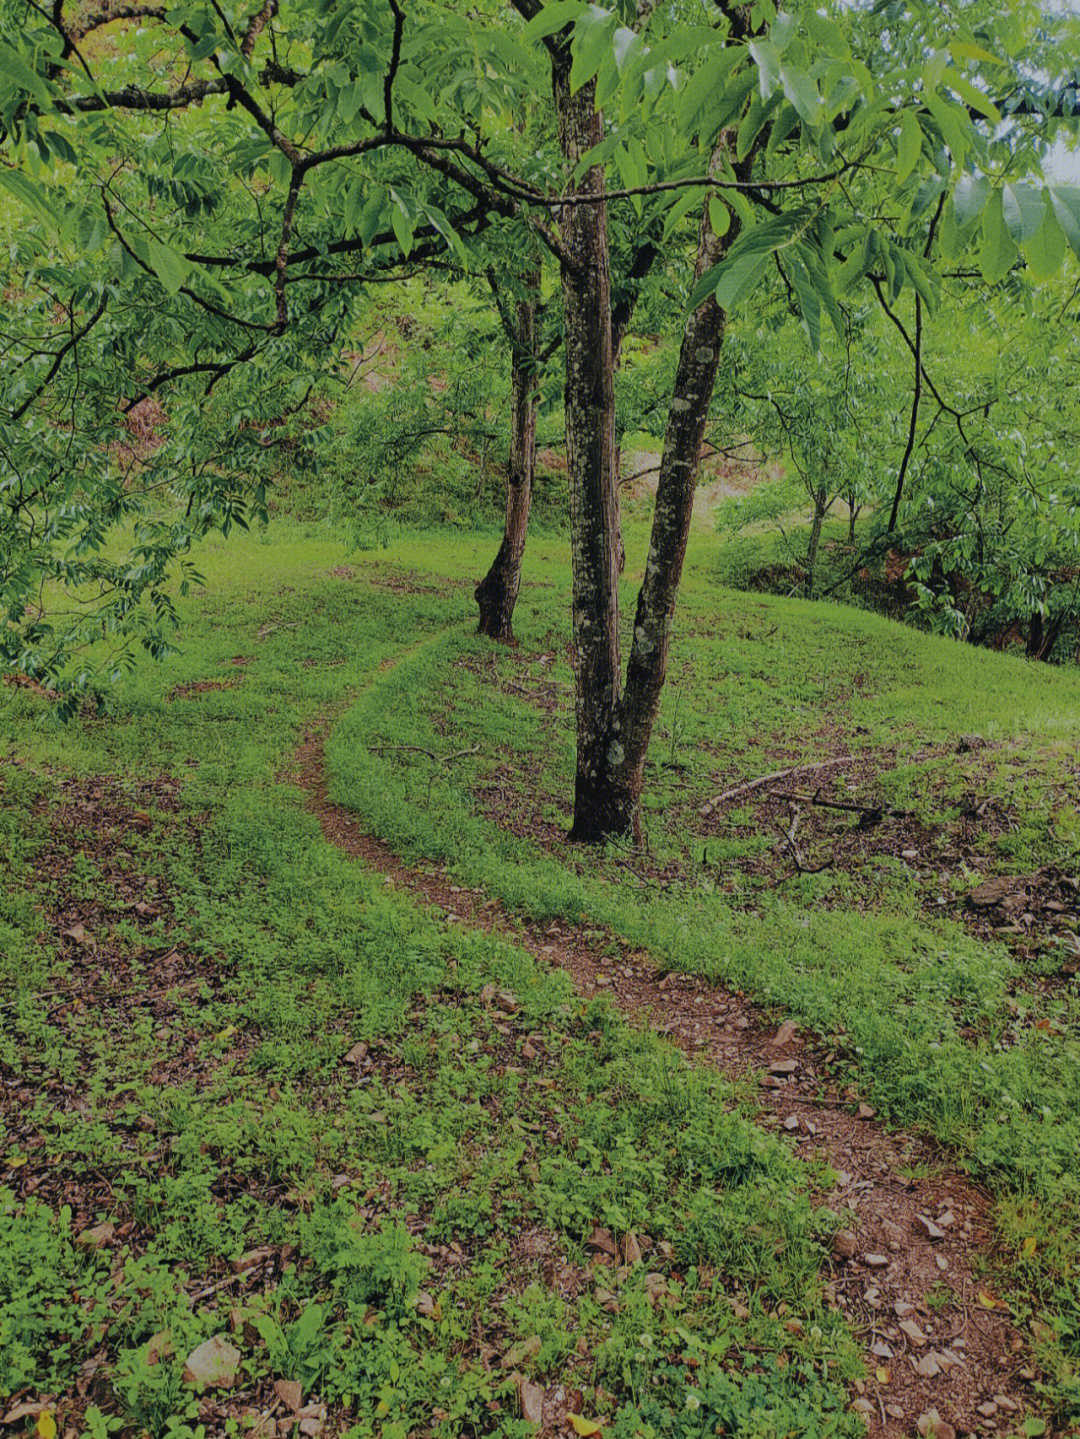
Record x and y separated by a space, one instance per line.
944 1030
209 1114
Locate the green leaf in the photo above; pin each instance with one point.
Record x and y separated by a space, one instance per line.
1066 202
781 31
1045 250
999 252
30 193
827 34
969 199
802 90
1024 210
740 279
767 59
555 16
809 303
954 124
973 96
167 264
758 111
719 217
369 220
402 227
15 69
700 98
682 207
909 147
592 41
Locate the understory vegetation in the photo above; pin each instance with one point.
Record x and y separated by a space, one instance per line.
539 712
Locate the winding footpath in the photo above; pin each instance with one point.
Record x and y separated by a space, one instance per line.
937 1362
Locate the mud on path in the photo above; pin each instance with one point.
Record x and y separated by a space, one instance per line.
905 1269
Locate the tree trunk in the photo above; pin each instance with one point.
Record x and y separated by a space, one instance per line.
497 592
590 445
815 539
699 358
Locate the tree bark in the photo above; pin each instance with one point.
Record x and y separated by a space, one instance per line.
815 538
699 358
497 592
590 444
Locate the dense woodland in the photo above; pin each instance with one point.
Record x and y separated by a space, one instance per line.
540 561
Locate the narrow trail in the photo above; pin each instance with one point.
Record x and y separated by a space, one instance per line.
907 1240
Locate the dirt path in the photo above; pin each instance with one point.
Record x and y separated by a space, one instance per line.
905 1269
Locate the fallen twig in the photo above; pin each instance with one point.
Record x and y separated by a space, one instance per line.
870 812
765 779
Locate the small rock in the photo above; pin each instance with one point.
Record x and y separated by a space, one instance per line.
987 1410
783 1066
844 1244
507 1001
931 1426
532 1402
425 1304
875 1261
927 1367
602 1240
913 1332
311 1426
791 1123
785 1034
865 1111
932 1229
290 1392
909 854
213 1364
357 1054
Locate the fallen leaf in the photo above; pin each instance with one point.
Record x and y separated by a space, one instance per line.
46 1426
585 1427
987 1300
1029 1246
884 1374
99 1235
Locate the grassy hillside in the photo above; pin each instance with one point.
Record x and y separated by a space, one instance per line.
251 1095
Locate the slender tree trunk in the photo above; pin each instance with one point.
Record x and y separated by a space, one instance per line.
695 377
815 539
497 592
590 444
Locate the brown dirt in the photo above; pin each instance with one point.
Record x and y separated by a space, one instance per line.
917 1244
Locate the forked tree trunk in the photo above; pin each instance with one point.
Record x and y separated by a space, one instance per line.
590 444
617 812
497 592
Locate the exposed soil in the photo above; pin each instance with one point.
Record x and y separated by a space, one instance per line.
905 1267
